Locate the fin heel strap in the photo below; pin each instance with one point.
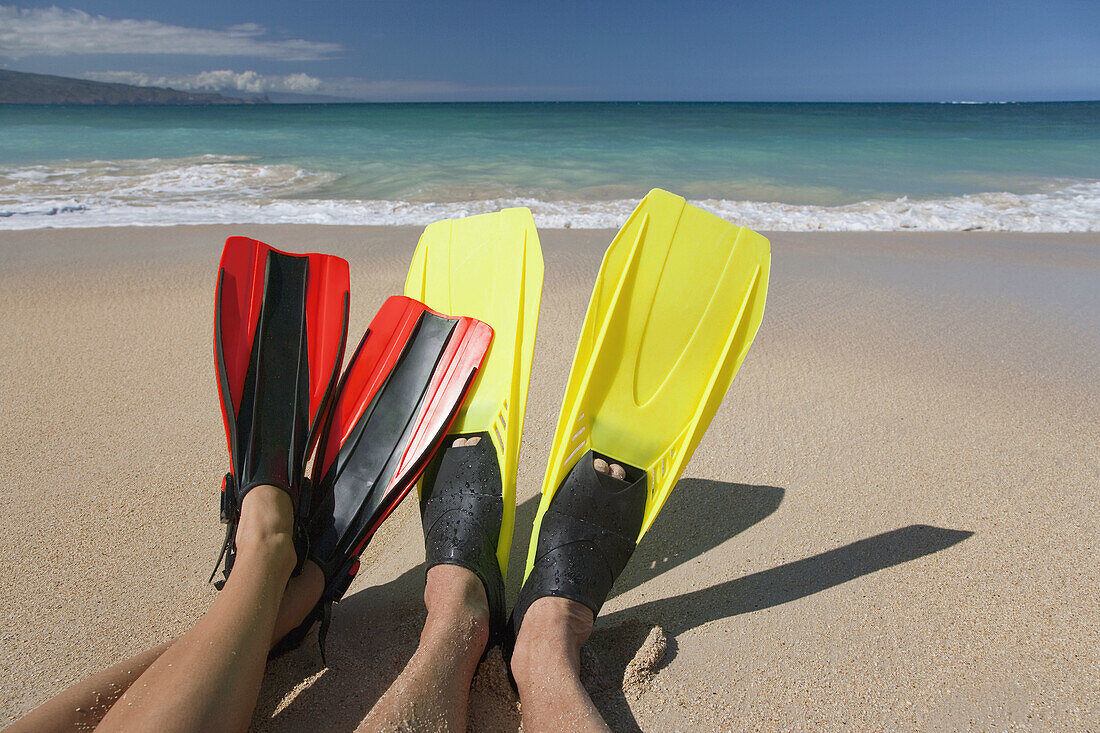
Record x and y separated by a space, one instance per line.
231 514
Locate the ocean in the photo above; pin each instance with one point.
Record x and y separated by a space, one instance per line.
792 167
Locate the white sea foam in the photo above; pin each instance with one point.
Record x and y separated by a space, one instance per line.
232 190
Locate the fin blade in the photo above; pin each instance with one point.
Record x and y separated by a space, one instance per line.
677 302
238 305
327 310
489 267
400 394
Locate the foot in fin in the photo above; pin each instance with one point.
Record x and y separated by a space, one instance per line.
279 328
397 399
588 534
489 267
462 508
676 305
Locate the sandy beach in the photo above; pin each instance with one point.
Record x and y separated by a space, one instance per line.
892 522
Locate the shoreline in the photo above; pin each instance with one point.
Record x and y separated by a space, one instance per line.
1061 206
897 485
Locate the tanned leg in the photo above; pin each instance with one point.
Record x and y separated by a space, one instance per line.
301 595
209 679
546 664
432 693
82 706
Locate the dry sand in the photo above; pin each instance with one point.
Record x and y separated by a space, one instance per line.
891 524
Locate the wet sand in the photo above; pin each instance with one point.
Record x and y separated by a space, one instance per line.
891 524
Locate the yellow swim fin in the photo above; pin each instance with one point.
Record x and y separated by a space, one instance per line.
488 267
677 302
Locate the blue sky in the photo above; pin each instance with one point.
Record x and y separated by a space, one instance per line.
428 50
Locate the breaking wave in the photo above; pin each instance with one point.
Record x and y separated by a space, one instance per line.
232 190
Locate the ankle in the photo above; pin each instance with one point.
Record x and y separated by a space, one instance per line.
266 527
551 636
456 603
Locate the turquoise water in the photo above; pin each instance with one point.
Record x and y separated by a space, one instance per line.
588 158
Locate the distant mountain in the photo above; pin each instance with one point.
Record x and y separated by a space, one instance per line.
18 87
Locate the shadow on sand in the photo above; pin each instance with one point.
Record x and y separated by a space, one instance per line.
373 635
765 589
375 631
677 535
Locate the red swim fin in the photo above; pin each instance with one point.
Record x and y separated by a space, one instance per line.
280 326
397 399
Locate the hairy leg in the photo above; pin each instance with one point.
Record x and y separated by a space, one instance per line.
433 691
546 659
546 664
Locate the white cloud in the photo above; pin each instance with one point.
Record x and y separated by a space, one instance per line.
215 81
349 88
56 31
419 90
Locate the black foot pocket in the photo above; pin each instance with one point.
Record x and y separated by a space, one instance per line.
462 510
587 535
